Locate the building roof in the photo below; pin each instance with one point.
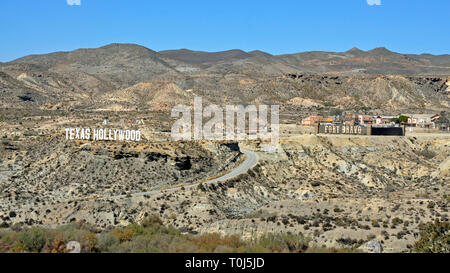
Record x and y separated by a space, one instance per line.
421 115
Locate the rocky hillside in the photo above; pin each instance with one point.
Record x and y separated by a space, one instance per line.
340 191
53 171
132 77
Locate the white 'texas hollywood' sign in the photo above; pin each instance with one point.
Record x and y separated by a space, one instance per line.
97 134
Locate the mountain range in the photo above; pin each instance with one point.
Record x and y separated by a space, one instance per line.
133 77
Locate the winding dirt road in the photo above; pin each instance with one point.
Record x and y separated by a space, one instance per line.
250 161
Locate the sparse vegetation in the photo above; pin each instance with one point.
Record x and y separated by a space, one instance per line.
428 154
149 236
322 187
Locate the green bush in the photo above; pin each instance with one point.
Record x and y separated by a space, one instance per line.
107 242
434 238
32 240
428 154
150 236
283 242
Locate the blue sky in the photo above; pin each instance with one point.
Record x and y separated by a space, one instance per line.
277 27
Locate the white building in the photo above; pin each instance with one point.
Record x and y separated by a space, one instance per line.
423 120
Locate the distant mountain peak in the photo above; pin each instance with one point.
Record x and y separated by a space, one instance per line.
381 50
259 53
355 50
203 57
119 46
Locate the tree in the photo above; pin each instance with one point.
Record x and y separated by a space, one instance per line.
403 119
400 119
443 119
32 240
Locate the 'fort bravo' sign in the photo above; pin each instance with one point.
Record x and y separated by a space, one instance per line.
343 129
360 130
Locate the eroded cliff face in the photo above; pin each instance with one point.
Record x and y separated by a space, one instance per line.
341 190
50 171
302 93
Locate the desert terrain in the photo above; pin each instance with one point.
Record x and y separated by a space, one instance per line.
339 191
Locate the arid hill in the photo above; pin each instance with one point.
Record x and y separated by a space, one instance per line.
132 77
